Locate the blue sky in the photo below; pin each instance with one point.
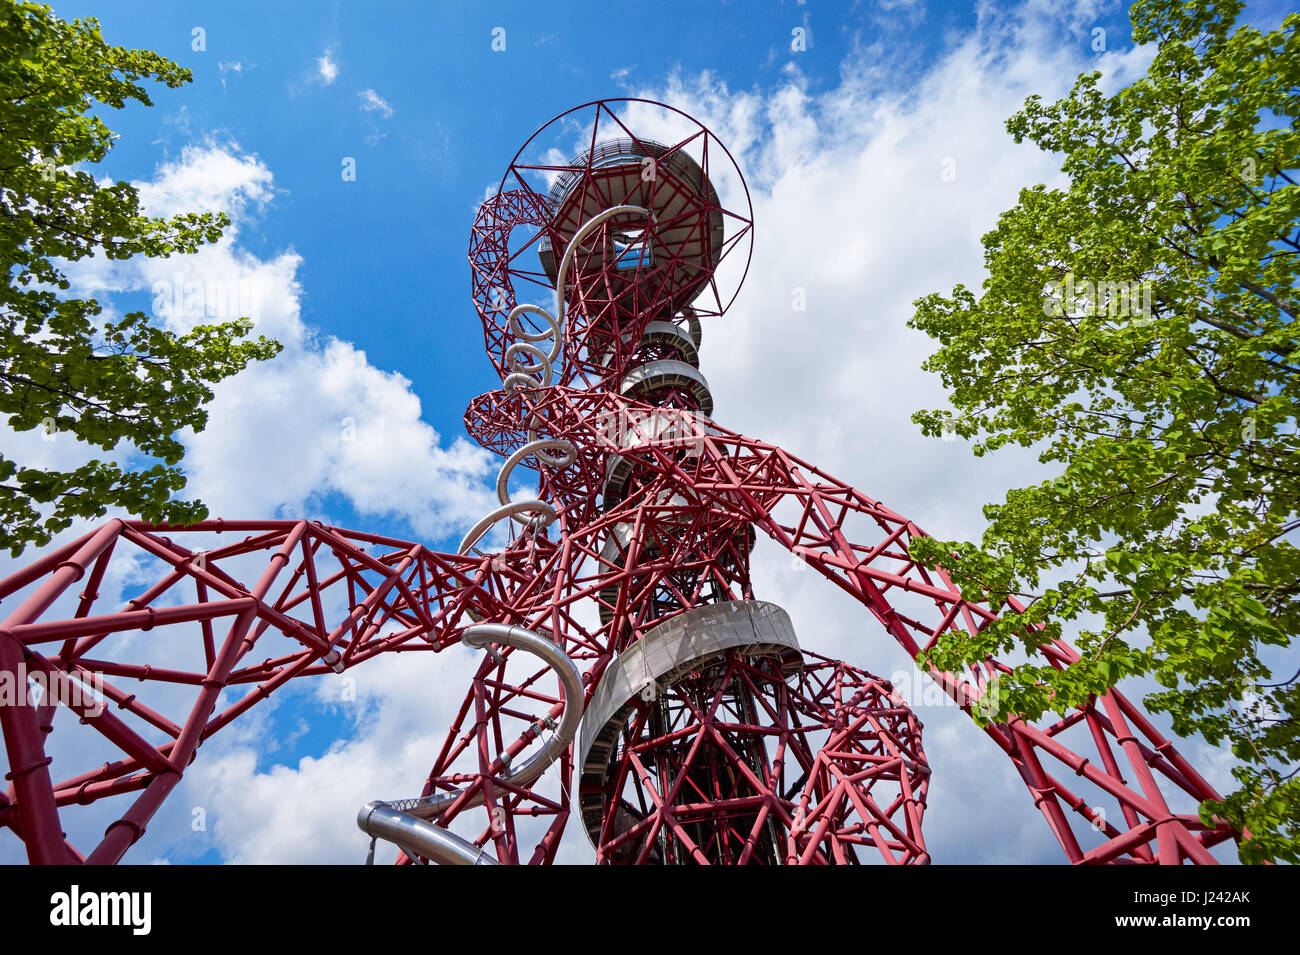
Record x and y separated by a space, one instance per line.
383 257
842 144
375 249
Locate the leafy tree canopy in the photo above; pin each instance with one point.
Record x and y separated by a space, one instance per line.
63 369
1137 328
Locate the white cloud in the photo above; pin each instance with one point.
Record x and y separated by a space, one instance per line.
231 66
372 102
318 419
326 68
306 813
343 426
851 207
208 178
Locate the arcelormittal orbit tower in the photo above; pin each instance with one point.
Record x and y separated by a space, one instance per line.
631 680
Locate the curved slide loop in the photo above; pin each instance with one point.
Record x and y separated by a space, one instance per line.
584 231
545 514
550 452
516 326
550 460
518 366
418 838
566 456
405 822
523 375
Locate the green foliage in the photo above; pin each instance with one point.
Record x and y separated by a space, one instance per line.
62 369
1173 518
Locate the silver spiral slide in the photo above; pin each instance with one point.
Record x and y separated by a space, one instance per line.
405 822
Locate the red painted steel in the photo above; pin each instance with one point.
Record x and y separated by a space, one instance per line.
736 762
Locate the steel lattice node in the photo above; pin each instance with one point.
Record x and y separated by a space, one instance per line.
624 653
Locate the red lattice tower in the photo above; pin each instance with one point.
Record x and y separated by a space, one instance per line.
627 660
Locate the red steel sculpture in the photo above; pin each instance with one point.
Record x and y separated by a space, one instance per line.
627 660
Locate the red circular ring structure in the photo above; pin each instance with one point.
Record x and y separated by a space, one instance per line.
665 290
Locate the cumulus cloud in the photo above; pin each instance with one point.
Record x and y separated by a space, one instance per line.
326 68
304 813
340 426
372 102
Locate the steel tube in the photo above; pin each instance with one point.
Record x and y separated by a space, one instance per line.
416 837
400 818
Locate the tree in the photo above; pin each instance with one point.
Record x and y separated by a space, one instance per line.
1137 330
62 368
